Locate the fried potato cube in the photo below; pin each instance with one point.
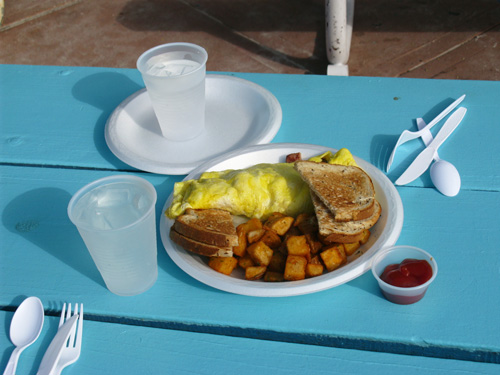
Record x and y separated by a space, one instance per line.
245 261
271 239
273 216
297 245
314 244
314 267
301 218
306 223
224 265
255 235
255 272
242 231
313 270
333 257
295 268
260 253
272 276
277 263
252 224
350 248
241 248
280 225
366 236
315 260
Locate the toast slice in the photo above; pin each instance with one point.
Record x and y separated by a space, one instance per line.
199 247
347 191
331 230
211 226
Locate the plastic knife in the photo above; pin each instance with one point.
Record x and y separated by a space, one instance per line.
53 353
424 159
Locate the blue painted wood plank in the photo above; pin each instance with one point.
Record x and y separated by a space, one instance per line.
56 116
42 254
123 349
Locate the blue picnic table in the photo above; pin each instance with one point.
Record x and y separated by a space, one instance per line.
52 121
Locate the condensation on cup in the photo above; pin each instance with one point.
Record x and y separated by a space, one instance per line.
116 219
174 75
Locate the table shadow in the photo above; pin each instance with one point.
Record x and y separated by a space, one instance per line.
380 151
367 284
40 216
383 144
105 91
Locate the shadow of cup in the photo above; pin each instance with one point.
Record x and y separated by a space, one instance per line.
105 91
40 216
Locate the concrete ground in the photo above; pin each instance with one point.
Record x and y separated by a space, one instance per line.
446 39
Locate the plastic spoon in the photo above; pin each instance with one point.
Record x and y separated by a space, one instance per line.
444 175
25 328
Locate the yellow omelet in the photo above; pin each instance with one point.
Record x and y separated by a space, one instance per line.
342 157
257 191
254 192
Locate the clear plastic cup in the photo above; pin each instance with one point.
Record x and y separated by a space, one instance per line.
174 75
116 219
395 255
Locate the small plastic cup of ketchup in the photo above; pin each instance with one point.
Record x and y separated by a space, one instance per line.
404 273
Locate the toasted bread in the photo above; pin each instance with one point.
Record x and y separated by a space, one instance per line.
347 191
200 247
210 226
331 230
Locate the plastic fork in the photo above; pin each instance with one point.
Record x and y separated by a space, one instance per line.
408 135
73 347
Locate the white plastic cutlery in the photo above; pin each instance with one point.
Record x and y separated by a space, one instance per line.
71 351
25 328
53 353
424 159
444 175
409 135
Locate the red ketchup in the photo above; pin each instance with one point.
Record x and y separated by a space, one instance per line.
409 273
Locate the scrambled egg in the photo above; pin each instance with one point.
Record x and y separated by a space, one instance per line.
257 191
342 156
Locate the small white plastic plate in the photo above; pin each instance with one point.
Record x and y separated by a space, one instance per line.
384 233
239 113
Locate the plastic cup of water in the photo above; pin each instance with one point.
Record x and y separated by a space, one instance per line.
174 75
116 219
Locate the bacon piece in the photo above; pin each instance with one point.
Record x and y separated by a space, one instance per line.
292 158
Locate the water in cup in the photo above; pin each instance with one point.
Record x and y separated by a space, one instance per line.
174 75
161 66
117 223
111 206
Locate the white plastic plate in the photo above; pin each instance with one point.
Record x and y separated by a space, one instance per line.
384 233
239 113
